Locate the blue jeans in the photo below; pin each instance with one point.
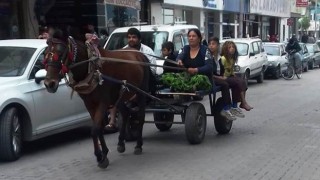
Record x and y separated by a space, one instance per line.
295 58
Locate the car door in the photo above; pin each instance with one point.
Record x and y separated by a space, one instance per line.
51 110
257 59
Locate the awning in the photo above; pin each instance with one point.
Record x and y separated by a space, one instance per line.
295 15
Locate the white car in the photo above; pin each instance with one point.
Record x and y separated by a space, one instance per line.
277 57
28 111
153 36
252 61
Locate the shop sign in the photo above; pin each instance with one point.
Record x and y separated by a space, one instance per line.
207 4
135 4
277 8
301 3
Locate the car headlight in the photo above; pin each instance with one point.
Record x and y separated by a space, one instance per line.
237 68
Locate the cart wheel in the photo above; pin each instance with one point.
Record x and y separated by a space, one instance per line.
221 124
195 123
163 117
131 133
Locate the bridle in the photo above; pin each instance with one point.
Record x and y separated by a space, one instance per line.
60 55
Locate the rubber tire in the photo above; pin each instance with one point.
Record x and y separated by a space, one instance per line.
195 131
311 66
163 117
246 77
260 78
221 125
306 69
7 152
277 73
131 134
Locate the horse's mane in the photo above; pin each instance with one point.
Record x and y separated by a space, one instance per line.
62 32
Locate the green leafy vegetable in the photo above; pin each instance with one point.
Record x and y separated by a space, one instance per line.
183 82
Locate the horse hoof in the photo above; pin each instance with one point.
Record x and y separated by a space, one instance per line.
103 163
121 148
137 151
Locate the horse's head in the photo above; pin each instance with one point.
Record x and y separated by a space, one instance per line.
56 58
60 54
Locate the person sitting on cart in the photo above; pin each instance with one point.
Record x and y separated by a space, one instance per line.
167 50
134 41
196 57
229 57
219 80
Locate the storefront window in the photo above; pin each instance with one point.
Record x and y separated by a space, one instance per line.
120 16
11 19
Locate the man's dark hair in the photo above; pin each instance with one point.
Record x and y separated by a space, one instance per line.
168 45
134 31
215 39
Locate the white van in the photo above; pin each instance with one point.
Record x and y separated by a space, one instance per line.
153 36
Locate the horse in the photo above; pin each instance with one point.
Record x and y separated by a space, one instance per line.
67 52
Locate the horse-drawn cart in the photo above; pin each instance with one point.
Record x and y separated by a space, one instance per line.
193 113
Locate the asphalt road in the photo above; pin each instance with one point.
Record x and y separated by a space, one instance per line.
278 139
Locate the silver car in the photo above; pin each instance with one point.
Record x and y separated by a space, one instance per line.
28 111
277 57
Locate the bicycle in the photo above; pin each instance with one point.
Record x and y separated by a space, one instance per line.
291 69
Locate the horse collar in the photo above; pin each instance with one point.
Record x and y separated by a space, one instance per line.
73 50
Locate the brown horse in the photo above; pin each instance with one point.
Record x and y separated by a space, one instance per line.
62 53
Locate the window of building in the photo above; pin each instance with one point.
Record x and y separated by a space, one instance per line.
167 16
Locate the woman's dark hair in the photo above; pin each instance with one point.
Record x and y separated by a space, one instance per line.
197 31
168 45
214 39
134 31
225 51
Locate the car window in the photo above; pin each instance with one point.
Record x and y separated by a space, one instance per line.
153 39
242 48
310 48
37 65
272 50
177 41
256 48
14 60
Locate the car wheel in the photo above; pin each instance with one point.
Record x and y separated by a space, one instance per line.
260 78
306 68
311 65
10 135
277 73
246 77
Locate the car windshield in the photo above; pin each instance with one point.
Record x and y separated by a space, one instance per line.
152 39
272 50
310 48
14 60
242 48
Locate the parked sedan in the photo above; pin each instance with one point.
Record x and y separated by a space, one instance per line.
306 57
314 51
252 60
28 111
277 57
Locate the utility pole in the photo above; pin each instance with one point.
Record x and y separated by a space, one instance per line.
241 5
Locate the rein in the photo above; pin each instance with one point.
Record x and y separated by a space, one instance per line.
123 61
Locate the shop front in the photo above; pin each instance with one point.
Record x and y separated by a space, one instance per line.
12 19
268 14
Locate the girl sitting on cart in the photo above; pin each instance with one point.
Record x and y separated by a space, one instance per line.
219 80
229 57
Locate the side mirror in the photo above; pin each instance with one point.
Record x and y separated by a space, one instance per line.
283 53
40 75
251 54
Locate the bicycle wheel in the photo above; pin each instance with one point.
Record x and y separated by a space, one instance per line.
288 73
298 72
